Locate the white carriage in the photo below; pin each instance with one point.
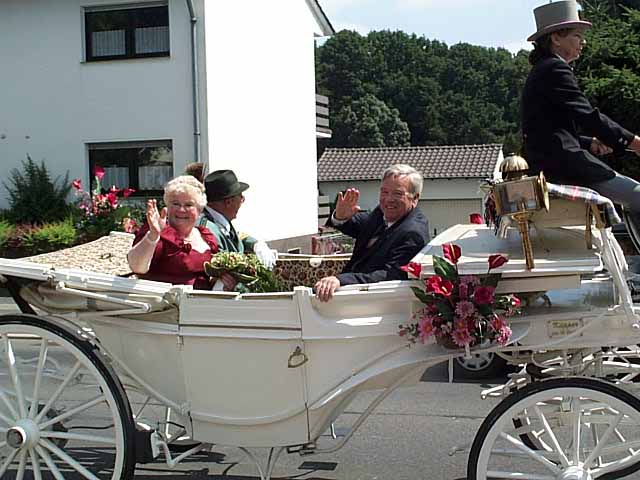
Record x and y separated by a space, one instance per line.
275 370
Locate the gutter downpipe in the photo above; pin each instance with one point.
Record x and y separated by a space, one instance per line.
196 83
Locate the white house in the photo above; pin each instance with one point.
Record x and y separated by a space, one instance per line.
143 88
452 176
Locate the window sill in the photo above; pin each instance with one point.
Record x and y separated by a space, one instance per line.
121 60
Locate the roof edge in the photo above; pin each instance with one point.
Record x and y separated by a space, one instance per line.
321 18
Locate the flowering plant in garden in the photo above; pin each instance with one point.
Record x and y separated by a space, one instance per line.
102 212
460 311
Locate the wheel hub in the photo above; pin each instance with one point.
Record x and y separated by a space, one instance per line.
25 434
575 473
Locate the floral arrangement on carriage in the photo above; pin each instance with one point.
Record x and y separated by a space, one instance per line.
461 311
251 275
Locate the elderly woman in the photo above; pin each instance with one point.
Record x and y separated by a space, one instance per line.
554 108
170 247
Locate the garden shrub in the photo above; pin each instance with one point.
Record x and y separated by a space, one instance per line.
34 197
6 230
29 239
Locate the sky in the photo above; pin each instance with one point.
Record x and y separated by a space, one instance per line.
491 23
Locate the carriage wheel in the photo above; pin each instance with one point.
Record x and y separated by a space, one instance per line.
584 429
63 412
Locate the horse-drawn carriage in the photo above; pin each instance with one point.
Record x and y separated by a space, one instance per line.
275 370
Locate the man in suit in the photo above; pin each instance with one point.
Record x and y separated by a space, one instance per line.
554 108
224 199
387 238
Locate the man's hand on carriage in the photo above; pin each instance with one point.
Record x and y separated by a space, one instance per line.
157 220
325 287
347 204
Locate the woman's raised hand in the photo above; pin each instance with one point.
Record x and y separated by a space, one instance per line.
347 204
157 220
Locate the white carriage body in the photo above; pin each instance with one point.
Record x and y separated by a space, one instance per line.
263 370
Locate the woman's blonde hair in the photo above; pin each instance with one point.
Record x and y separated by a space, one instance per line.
189 185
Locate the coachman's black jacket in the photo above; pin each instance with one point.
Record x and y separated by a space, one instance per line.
553 108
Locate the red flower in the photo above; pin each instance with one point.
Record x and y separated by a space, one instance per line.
114 189
483 295
127 191
496 261
112 198
98 172
414 268
77 184
451 252
476 218
515 301
437 285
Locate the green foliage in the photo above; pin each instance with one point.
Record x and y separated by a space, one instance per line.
6 229
444 95
444 269
369 122
55 236
609 70
34 197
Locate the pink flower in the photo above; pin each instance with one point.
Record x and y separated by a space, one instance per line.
515 301
465 309
483 295
425 328
461 337
98 172
437 285
77 184
451 252
476 218
127 191
129 225
496 261
504 336
463 290
413 268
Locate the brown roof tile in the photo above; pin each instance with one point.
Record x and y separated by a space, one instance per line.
451 161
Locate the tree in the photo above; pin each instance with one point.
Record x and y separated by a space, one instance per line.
609 70
369 122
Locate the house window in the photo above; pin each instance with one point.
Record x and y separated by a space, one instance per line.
131 32
143 166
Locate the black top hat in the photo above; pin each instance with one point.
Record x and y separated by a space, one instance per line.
223 184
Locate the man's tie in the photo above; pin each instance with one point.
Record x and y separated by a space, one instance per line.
376 235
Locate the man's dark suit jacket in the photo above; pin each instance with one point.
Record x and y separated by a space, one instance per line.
395 247
553 108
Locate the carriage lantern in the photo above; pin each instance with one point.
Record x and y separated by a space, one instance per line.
520 198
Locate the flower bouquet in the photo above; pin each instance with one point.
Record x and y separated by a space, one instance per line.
461 311
251 275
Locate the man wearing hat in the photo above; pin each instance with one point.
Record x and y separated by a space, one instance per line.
554 108
224 199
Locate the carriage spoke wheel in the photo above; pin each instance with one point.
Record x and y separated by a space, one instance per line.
584 429
63 413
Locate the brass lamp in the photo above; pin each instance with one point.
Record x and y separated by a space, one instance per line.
520 198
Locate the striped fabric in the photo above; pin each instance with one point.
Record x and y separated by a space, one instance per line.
575 193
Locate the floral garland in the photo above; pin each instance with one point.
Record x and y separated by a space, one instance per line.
461 311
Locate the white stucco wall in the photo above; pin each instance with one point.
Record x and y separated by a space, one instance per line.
446 202
440 189
53 102
261 103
